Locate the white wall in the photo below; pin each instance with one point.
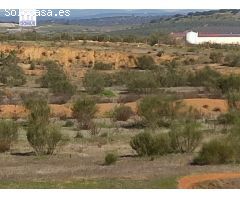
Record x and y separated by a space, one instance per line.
193 38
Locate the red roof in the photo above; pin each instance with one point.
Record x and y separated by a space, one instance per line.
217 35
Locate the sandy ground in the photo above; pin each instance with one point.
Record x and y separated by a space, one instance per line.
83 159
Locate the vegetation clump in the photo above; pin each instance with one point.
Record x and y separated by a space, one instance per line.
216 57
11 74
84 111
141 82
157 110
146 144
94 82
110 159
56 80
145 62
185 136
8 134
232 60
215 152
42 135
122 113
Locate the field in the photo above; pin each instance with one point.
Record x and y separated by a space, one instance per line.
79 113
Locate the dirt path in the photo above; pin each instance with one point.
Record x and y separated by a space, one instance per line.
189 182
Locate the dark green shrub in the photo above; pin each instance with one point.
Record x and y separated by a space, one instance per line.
110 159
232 60
141 82
229 83
84 111
93 82
11 74
189 61
233 98
161 144
41 134
102 66
228 118
143 144
160 53
216 57
122 113
146 144
205 77
171 77
56 80
215 152
32 65
69 123
157 110
8 134
145 62
185 136
43 138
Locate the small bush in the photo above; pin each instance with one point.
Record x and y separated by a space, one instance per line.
11 74
145 62
205 77
216 57
141 82
32 65
69 123
160 53
157 110
215 152
229 83
228 118
122 113
8 134
94 82
84 111
232 60
171 76
102 66
189 61
43 139
56 80
147 145
41 134
185 137
110 159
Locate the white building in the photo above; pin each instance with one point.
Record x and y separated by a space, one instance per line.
200 38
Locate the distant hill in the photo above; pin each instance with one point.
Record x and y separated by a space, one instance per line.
219 21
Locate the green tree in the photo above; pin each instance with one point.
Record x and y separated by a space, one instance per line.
185 136
56 80
145 62
11 74
93 82
42 135
158 110
84 111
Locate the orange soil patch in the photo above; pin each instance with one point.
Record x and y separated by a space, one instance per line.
18 111
207 106
189 182
13 111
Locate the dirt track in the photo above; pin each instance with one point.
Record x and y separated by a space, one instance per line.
189 182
